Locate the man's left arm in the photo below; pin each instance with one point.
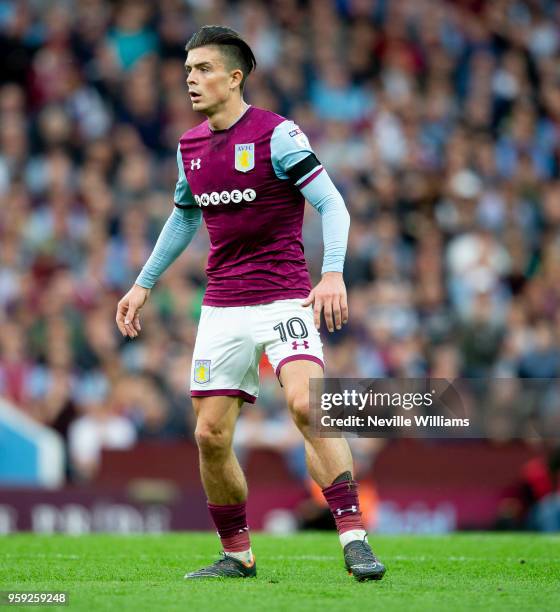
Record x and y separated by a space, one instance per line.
294 160
329 294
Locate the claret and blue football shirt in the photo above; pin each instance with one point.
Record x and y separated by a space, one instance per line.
249 181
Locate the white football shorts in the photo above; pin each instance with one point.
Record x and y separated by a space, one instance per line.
230 342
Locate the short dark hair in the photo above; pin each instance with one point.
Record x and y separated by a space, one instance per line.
237 51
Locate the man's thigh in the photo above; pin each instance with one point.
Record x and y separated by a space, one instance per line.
225 358
295 377
217 415
288 334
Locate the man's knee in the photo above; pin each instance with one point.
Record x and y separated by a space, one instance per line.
211 439
298 402
215 423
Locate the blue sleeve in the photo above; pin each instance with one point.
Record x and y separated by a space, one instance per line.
174 238
183 194
289 146
325 198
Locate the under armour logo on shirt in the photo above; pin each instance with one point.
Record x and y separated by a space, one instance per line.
295 344
341 511
195 163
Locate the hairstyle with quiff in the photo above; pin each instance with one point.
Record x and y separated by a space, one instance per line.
236 51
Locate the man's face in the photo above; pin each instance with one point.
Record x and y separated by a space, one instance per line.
209 80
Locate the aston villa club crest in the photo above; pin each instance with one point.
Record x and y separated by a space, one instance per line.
201 370
245 157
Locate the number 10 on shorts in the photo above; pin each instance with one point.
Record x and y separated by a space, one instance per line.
296 329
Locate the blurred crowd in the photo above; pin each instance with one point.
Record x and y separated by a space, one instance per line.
439 121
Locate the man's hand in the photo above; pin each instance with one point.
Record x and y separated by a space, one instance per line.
329 295
128 309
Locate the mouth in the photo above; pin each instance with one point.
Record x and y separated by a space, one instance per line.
195 97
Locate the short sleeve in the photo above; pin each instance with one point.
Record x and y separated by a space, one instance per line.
291 154
183 195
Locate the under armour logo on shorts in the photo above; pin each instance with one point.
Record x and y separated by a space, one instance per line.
295 344
195 163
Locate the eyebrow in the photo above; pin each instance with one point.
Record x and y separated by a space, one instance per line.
206 63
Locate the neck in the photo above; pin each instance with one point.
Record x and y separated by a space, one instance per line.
225 116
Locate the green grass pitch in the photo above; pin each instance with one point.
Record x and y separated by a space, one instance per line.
301 572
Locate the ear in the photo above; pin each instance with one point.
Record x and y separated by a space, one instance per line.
236 76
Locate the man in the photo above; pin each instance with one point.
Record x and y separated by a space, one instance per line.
248 171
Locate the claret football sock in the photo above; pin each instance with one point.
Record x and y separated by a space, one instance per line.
342 497
231 523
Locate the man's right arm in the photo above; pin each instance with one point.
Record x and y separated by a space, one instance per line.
174 238
176 234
